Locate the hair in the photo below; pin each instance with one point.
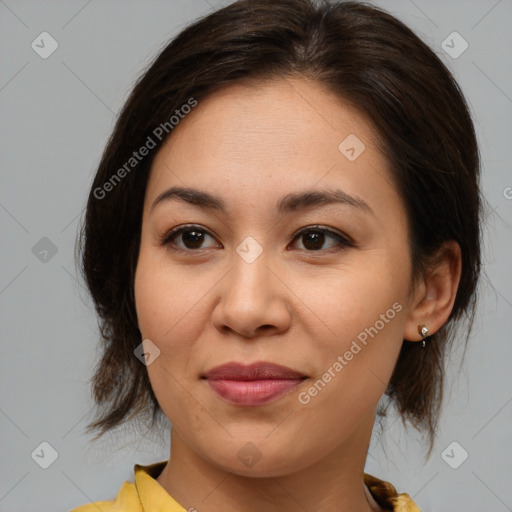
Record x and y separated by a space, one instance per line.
371 61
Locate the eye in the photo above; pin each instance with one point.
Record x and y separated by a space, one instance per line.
190 237
313 238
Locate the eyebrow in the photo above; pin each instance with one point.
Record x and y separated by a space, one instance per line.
290 203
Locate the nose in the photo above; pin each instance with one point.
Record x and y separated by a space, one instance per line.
253 302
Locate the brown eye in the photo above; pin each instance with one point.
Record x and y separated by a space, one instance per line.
188 238
192 239
313 239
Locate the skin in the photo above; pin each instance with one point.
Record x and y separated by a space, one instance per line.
202 307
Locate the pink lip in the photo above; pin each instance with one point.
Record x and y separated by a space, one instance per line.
255 384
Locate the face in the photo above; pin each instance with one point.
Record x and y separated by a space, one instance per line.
299 259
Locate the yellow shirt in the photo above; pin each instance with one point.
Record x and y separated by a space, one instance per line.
147 495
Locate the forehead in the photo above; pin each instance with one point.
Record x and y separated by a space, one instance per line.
268 137
275 115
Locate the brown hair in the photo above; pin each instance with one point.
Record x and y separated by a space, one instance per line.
369 59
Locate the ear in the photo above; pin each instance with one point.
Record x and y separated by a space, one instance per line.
434 293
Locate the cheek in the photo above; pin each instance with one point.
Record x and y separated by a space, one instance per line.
355 370
165 314
346 302
164 298
172 312
359 317
160 306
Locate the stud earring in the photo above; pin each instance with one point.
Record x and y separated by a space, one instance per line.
423 331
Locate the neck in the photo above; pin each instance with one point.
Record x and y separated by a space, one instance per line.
333 484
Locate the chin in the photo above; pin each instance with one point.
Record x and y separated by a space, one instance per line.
261 469
251 461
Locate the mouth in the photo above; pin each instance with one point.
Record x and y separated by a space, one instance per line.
252 385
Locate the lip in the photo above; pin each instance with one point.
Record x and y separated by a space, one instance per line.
252 385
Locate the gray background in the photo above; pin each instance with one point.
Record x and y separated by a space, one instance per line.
56 115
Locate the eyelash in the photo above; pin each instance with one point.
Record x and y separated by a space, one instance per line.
343 240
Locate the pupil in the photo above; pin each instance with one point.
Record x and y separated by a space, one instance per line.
317 240
192 239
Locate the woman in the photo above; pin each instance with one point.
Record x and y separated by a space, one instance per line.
283 230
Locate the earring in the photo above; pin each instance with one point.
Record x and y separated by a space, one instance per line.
423 331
